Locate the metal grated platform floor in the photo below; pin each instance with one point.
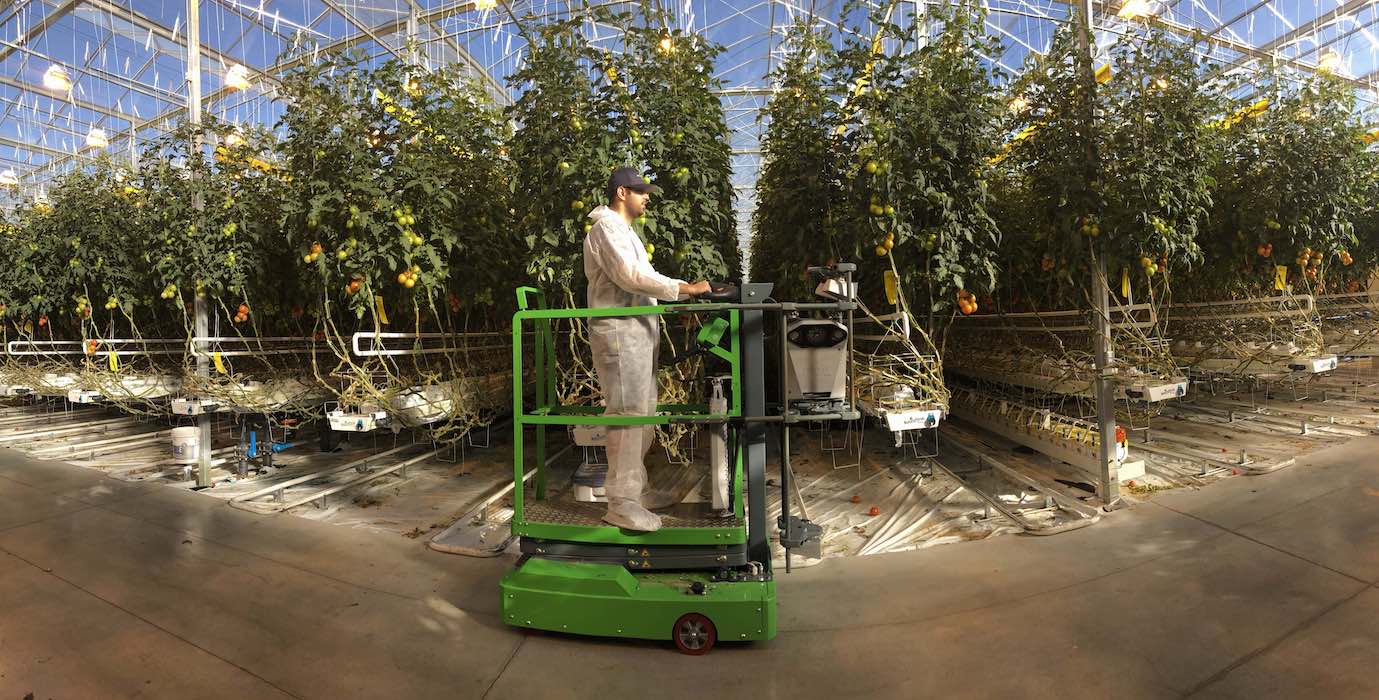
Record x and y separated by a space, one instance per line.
682 516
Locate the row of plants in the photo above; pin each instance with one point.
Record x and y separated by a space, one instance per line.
901 146
881 156
585 110
386 180
386 197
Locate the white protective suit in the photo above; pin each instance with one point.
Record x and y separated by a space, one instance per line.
625 350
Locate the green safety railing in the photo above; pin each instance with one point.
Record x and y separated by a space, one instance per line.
547 411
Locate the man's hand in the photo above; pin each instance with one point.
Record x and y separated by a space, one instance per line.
694 289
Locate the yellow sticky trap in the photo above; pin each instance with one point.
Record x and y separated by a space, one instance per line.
1280 277
378 306
219 363
1103 74
892 287
1023 134
1125 282
113 361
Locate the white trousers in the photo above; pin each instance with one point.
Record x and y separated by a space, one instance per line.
625 353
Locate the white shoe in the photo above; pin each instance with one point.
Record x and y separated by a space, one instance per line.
630 515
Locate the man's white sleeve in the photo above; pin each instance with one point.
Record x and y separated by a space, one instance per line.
619 259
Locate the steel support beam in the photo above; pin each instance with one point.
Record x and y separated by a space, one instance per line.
35 148
57 13
202 320
337 9
1311 26
146 23
1262 53
1108 469
429 19
75 101
256 19
153 91
287 64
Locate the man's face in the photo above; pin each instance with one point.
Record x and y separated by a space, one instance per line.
636 202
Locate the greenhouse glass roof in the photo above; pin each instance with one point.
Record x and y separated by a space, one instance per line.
125 60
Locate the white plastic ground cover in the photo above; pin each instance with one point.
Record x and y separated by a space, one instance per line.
57 383
422 405
138 386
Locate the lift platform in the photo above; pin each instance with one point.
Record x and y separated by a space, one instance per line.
706 574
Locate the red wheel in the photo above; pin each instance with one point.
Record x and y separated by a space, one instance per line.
694 634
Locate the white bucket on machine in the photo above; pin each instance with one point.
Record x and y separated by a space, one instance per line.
186 444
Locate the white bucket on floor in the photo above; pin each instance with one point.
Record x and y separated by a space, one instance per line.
186 444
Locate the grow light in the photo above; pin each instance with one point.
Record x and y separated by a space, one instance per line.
1330 62
57 79
237 78
96 138
1135 9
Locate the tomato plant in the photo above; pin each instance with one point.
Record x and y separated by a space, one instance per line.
395 172
1156 151
917 129
32 260
563 151
100 275
204 217
674 124
1050 176
921 141
1290 181
799 181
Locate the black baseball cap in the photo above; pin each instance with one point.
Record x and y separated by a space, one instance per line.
628 177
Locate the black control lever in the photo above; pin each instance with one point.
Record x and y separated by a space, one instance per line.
721 291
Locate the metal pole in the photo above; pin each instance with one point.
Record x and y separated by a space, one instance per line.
203 366
1109 488
753 435
413 29
784 443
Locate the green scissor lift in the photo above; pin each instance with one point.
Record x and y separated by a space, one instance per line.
704 576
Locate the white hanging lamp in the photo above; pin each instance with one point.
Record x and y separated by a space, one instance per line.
1134 9
57 79
237 78
97 138
1330 62
8 178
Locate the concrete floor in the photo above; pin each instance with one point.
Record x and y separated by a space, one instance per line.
1256 587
